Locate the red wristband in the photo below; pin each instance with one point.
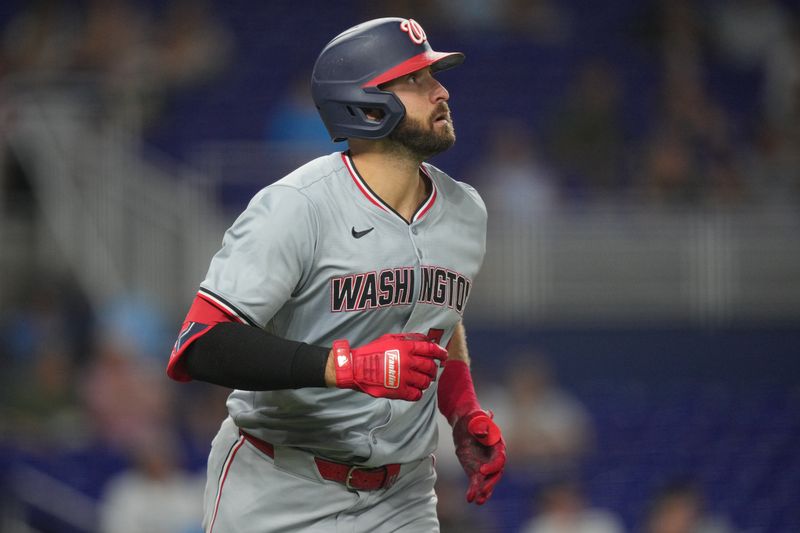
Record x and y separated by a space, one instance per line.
456 392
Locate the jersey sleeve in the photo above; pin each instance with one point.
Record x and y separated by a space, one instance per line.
473 194
265 255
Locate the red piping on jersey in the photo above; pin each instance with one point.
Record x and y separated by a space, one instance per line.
227 467
431 199
375 199
221 306
357 179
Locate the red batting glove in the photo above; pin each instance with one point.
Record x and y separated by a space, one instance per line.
481 450
397 366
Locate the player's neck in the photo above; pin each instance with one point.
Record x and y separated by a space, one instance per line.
396 179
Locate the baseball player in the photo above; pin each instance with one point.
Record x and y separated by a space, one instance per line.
329 304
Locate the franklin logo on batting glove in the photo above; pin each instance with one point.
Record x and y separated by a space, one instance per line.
392 363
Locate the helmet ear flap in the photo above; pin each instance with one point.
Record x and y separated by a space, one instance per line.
351 116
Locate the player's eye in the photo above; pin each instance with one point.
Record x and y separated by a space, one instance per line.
412 78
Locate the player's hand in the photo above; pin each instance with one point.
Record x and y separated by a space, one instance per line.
397 366
481 450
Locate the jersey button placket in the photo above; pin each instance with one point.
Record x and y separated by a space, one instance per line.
413 231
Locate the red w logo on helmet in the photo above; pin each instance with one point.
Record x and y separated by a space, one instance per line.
414 31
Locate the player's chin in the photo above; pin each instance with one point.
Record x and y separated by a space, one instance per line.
450 137
444 131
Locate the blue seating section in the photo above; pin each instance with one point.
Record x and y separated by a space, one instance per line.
739 443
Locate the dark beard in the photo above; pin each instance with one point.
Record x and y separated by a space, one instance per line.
420 141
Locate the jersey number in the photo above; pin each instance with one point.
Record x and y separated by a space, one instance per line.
435 335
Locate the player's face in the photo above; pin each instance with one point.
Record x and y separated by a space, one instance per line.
427 127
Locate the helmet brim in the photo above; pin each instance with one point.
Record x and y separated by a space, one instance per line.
436 60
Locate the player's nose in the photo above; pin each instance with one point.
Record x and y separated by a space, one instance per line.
439 92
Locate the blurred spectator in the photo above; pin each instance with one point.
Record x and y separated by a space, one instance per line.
125 395
52 314
113 60
678 507
192 44
781 93
38 324
42 37
669 174
586 134
143 63
746 32
471 15
114 40
674 31
129 63
294 119
40 406
692 157
548 430
562 508
541 21
156 495
512 176
773 167
135 322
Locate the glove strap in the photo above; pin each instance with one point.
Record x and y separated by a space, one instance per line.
456 392
343 364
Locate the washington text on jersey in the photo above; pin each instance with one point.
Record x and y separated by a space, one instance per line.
395 286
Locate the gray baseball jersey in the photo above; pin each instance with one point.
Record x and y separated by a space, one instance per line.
317 256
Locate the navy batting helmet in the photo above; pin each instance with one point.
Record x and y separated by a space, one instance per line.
350 68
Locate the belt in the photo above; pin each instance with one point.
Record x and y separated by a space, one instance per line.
353 477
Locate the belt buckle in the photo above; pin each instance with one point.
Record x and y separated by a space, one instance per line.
350 471
349 477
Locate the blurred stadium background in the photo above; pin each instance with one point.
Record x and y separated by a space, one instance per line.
636 326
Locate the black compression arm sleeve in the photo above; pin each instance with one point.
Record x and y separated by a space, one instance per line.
244 357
